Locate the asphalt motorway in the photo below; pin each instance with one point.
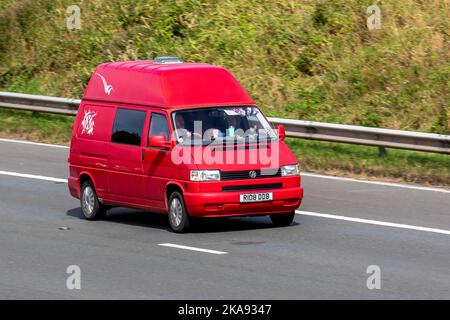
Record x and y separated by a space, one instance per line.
342 228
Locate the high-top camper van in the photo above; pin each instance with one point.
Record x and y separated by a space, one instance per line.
184 139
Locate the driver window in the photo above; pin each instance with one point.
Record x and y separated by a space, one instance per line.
159 125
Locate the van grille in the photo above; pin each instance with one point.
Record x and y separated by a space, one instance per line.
253 187
245 175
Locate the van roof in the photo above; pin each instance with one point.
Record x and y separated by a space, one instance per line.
176 85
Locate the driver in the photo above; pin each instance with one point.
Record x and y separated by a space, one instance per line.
181 132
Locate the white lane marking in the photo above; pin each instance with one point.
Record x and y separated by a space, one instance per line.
191 248
32 176
388 184
373 222
306 213
306 174
34 143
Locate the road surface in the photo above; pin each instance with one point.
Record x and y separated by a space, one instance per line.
342 228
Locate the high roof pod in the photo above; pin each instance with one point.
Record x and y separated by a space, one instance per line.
165 82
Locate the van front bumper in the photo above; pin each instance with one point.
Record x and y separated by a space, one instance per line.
227 204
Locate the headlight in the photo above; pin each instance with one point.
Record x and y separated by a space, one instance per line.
205 175
290 170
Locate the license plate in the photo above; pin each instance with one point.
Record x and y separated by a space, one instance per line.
256 197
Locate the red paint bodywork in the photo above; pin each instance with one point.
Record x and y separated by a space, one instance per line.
120 175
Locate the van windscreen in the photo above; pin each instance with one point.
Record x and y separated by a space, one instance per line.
221 124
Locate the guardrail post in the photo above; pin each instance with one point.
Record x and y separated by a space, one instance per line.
382 152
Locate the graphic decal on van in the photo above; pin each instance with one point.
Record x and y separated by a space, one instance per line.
88 122
108 88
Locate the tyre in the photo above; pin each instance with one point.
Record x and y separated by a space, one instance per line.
178 216
90 205
282 219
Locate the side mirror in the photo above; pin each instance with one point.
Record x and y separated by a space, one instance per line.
159 141
281 132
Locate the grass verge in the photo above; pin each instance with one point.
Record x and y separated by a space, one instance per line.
310 59
365 162
35 126
314 156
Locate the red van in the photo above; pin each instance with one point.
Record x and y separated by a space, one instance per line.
178 138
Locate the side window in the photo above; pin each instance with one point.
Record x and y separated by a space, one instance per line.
128 126
159 125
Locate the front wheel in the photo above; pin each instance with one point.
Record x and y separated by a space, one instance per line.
178 216
282 219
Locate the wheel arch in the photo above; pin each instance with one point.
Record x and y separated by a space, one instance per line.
170 188
85 176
